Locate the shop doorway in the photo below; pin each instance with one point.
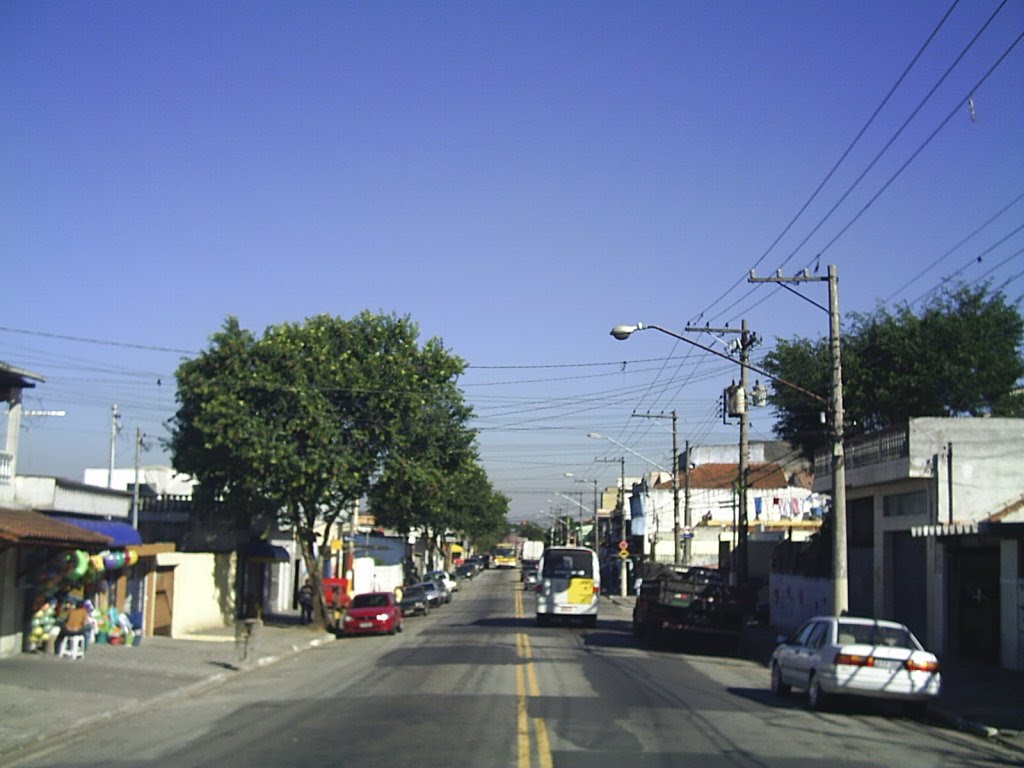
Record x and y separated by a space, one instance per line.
974 589
163 612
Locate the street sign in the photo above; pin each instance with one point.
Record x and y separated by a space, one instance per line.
623 554
623 545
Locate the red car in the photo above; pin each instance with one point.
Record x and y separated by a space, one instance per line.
372 613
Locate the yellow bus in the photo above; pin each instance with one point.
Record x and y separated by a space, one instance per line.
504 556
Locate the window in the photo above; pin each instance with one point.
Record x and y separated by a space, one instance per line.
564 563
905 504
819 634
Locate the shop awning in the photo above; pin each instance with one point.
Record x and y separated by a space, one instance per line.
264 551
121 534
24 526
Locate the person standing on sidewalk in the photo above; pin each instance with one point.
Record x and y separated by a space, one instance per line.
306 602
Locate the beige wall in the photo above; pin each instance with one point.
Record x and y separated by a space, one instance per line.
204 590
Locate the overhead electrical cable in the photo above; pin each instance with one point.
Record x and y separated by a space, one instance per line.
835 166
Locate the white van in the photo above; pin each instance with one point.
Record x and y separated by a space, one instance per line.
568 584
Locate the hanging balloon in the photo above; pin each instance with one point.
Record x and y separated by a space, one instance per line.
131 557
80 566
96 562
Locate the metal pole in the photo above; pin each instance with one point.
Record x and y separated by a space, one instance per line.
595 515
744 468
686 510
113 443
135 492
676 533
841 592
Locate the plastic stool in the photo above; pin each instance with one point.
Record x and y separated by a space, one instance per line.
72 647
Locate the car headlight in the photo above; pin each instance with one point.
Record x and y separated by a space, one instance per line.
382 616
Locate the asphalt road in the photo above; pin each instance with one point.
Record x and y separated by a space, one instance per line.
476 683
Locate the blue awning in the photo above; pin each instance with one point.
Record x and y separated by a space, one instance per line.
265 552
123 534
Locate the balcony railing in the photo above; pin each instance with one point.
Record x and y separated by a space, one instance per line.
877 448
6 468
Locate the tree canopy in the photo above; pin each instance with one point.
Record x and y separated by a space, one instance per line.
302 421
961 356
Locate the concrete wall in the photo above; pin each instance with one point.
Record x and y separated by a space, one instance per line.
794 599
203 590
12 604
370 577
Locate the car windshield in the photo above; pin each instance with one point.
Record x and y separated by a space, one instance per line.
369 601
851 633
429 588
413 593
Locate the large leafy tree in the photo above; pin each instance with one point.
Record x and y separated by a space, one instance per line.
300 422
432 482
961 356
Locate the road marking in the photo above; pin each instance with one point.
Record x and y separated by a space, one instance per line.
526 685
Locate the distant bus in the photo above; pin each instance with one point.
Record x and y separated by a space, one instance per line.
504 556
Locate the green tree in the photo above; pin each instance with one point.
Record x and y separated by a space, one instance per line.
961 356
299 422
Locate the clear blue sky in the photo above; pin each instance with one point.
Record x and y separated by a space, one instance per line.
517 177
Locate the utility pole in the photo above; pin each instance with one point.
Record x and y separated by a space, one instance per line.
687 517
841 586
135 491
115 427
676 532
747 340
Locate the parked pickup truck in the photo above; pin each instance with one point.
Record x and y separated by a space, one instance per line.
689 600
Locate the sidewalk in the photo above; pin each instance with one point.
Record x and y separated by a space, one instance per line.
977 698
42 696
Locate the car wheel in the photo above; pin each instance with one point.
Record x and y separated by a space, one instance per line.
779 688
817 698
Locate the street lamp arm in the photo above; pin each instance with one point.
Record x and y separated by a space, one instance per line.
623 332
581 506
598 436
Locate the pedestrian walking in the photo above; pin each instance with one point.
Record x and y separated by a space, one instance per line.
306 602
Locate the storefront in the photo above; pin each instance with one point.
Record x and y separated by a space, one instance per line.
39 565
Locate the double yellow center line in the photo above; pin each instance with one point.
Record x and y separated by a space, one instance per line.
526 685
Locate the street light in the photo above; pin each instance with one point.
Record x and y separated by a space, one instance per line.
581 480
840 585
675 481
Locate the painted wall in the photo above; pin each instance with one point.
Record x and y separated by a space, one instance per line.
12 604
792 600
204 586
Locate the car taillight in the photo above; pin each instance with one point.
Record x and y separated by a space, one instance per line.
596 590
922 666
854 660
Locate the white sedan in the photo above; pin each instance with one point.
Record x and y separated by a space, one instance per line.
846 655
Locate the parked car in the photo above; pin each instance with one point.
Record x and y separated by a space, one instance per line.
445 578
436 593
529 577
415 601
850 656
465 571
372 613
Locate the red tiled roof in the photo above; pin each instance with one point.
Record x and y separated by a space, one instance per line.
764 476
23 526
